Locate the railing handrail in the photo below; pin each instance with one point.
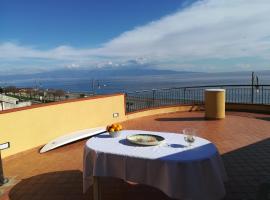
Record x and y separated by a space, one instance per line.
200 86
244 93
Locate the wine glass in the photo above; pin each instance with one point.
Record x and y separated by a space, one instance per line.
189 135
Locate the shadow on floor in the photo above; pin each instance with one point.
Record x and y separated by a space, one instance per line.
51 186
116 189
248 169
65 185
263 118
182 119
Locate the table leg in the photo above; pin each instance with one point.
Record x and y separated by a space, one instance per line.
96 195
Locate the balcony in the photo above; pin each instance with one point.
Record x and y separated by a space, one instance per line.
242 139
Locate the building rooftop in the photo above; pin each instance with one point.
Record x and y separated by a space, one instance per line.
242 139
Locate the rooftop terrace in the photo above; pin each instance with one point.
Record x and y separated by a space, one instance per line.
242 139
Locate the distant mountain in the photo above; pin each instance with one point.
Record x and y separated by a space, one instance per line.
98 73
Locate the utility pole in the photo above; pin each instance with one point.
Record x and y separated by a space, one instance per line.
98 84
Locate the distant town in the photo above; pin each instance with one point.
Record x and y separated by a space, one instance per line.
14 97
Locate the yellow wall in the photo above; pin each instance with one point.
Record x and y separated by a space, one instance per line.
29 128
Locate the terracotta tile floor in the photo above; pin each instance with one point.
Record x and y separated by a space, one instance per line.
242 139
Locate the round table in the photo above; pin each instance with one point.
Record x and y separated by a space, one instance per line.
181 172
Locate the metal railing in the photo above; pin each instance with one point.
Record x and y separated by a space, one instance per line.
244 94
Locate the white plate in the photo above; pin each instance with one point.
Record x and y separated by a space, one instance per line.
145 139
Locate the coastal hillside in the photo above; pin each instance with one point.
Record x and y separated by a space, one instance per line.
96 73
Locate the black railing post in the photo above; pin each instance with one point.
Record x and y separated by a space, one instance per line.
3 180
262 95
185 95
153 96
252 87
127 103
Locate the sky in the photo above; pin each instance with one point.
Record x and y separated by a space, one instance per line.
183 35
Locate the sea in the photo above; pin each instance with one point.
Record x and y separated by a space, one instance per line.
127 84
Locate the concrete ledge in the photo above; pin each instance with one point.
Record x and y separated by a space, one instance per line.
60 102
29 127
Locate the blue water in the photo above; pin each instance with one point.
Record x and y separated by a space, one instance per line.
128 84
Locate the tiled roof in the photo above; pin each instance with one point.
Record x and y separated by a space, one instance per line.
242 139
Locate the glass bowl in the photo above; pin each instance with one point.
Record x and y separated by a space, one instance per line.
115 134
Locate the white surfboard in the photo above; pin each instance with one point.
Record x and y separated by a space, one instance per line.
65 139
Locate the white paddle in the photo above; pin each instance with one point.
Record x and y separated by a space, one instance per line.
66 139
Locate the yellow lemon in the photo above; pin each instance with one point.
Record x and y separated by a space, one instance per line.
120 126
113 126
111 130
117 128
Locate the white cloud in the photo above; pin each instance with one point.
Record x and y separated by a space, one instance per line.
214 28
209 29
11 50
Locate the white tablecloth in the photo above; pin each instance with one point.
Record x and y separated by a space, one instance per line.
180 172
